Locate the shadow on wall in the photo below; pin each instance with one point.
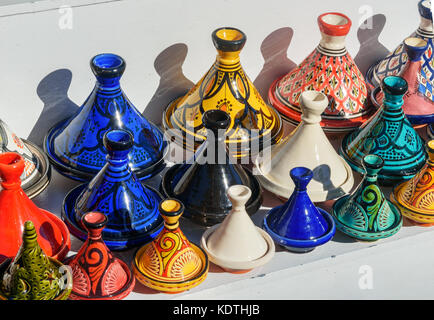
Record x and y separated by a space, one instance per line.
53 91
371 50
276 63
173 83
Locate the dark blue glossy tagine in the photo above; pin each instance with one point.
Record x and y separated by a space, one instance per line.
75 145
202 182
298 225
130 206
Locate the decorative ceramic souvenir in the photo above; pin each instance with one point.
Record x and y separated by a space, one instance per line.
418 101
366 214
225 87
331 70
430 131
170 263
298 225
201 183
32 275
37 169
389 135
415 198
97 274
75 145
131 207
306 146
236 244
16 208
395 61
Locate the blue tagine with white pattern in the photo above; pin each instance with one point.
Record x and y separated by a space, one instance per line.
130 205
75 146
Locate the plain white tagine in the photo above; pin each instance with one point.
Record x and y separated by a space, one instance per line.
306 146
236 244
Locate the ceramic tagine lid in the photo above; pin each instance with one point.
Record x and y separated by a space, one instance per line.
37 170
395 61
32 275
389 135
75 145
415 197
131 206
16 208
170 263
418 101
366 214
236 244
331 70
306 146
298 225
203 181
97 274
225 87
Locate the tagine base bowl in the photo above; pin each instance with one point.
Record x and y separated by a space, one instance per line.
362 235
301 246
238 267
84 176
207 219
115 244
160 283
67 286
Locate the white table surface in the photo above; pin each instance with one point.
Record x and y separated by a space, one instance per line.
167 46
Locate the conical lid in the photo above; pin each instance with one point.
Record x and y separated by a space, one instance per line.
131 207
418 101
16 208
237 238
225 87
307 146
417 194
110 278
331 70
201 183
32 275
366 213
395 61
389 135
75 145
170 263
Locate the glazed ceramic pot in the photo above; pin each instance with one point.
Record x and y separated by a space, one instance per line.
170 263
430 131
75 145
298 225
415 198
16 208
331 70
202 182
394 62
306 146
236 244
131 206
366 214
418 101
390 135
37 170
97 274
32 275
225 87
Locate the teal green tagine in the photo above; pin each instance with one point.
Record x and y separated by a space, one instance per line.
387 134
366 214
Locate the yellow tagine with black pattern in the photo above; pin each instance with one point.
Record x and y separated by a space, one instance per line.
415 197
170 263
254 124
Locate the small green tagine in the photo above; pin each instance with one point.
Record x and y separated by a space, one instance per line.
366 214
32 275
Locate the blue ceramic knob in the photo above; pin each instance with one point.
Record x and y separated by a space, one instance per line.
75 145
299 225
